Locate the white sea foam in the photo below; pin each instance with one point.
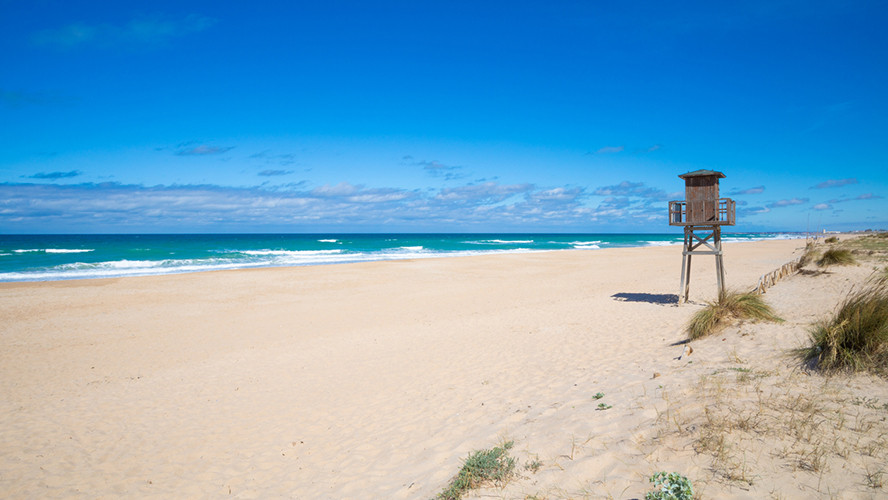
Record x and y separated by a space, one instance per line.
582 242
328 241
414 249
498 242
662 243
730 239
289 252
55 250
126 268
3 254
587 247
114 264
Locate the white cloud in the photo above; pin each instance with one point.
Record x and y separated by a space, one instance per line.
488 192
120 206
203 150
863 197
147 31
341 189
786 203
833 183
610 149
752 190
273 173
627 188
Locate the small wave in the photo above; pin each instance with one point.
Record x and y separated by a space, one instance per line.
587 247
584 242
328 241
289 252
258 258
114 264
56 250
498 242
662 243
3 254
66 250
760 237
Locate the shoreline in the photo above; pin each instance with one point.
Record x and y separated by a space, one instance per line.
368 380
84 257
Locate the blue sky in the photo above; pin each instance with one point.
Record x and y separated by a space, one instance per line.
438 116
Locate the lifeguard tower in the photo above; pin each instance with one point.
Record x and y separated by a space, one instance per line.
702 214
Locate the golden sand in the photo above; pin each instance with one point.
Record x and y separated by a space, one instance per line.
375 380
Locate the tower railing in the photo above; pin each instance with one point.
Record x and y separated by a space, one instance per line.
725 214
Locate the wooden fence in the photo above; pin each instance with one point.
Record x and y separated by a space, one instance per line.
770 279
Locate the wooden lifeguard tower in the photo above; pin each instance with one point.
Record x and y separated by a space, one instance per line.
702 214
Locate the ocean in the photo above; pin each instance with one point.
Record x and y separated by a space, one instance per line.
63 257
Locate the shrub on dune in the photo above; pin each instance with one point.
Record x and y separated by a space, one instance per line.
835 257
856 337
729 306
493 466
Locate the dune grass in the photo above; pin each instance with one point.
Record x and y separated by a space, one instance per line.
805 424
835 257
856 337
808 257
831 239
481 467
730 305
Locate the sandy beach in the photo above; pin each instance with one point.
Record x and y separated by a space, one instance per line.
375 380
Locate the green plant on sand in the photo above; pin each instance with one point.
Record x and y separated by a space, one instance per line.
835 257
809 256
730 305
856 337
831 239
480 468
670 486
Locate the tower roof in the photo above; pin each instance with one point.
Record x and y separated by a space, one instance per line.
702 173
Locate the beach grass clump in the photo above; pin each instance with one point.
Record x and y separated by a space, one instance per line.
856 337
493 466
835 257
808 257
831 239
730 305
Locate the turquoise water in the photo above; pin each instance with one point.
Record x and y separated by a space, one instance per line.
59 257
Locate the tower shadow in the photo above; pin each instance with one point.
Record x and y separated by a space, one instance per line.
650 298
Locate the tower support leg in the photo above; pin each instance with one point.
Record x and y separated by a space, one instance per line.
719 261
685 265
712 245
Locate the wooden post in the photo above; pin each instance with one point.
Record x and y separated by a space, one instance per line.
691 243
719 260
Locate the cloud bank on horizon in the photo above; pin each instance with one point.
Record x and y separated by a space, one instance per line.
186 116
